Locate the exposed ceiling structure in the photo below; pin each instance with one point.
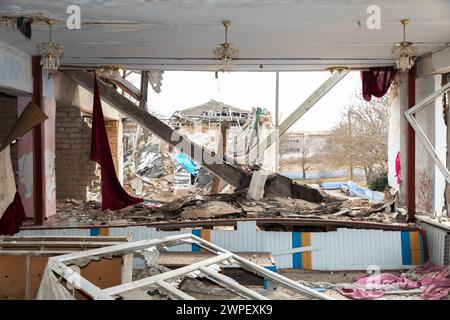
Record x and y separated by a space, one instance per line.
279 35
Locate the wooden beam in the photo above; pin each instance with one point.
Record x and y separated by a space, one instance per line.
144 90
221 149
215 163
279 221
127 86
28 278
160 129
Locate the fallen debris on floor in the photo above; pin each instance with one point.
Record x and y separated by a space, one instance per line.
168 282
235 205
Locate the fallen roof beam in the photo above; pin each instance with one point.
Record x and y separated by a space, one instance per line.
144 90
215 163
127 86
227 172
298 113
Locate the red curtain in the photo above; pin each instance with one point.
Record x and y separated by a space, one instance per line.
114 197
13 217
376 81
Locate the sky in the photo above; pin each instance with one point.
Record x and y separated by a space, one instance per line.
245 90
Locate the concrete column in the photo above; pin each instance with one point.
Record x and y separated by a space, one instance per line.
393 135
48 144
25 164
402 81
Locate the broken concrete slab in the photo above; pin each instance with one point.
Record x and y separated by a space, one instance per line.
210 209
256 188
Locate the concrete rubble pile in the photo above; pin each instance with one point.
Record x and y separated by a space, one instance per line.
233 205
150 171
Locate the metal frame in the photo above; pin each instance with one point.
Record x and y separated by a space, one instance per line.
60 266
421 135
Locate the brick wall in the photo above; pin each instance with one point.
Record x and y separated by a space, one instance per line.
8 116
75 172
112 129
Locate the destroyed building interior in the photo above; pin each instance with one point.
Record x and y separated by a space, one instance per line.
106 194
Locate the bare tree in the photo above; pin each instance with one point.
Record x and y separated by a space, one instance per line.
302 155
305 155
360 137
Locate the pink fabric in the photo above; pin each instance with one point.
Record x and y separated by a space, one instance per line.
435 280
360 294
384 278
437 287
429 267
388 278
114 197
397 167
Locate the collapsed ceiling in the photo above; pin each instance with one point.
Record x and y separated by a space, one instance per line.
274 35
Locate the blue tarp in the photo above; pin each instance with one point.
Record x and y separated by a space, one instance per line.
358 191
332 185
355 190
187 163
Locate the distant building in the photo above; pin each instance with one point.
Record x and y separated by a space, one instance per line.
202 124
211 113
295 143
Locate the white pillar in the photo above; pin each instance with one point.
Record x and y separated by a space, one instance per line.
402 81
